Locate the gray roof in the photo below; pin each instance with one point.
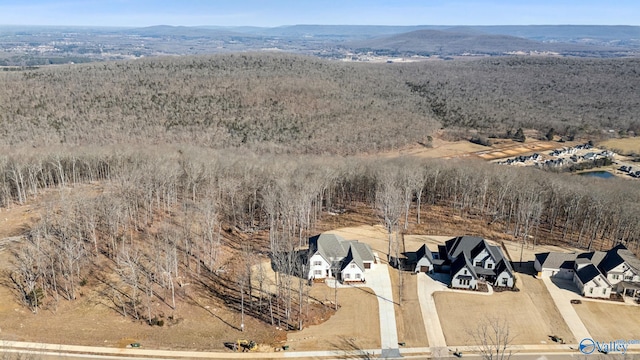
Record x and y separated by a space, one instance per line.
595 257
587 273
556 260
496 252
364 250
330 246
336 249
352 256
617 256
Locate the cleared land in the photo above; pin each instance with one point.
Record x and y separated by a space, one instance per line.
531 314
607 322
354 326
623 146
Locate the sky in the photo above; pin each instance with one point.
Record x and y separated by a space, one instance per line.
271 13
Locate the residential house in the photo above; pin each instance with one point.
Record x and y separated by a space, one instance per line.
590 281
463 274
331 256
595 273
473 259
424 260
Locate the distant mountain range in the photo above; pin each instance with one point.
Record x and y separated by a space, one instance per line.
467 41
42 45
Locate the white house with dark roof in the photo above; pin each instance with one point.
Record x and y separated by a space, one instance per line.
331 256
595 273
590 281
463 274
473 259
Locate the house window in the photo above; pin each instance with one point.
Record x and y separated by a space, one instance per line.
479 263
590 290
505 281
489 266
604 291
465 272
317 263
317 272
347 276
353 266
615 276
357 276
464 282
629 278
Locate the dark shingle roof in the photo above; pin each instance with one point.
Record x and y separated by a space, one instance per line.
424 252
462 245
617 256
460 263
587 273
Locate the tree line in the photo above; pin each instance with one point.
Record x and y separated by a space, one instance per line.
164 216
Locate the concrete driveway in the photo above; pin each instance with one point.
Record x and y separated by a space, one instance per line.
379 281
562 296
426 287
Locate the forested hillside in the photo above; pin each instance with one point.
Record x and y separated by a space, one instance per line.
190 170
286 103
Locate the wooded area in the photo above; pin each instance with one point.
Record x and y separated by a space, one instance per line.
285 103
206 164
164 217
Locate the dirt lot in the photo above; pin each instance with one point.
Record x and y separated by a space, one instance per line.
461 149
624 146
355 325
409 321
607 322
531 314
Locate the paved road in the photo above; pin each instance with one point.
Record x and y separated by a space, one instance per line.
56 351
562 298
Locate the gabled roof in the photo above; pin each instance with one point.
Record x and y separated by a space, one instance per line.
617 256
462 262
502 266
338 251
462 245
496 253
595 257
588 273
352 257
424 252
556 260
364 250
330 246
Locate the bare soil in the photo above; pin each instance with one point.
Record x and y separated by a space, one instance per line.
624 146
355 325
608 322
530 314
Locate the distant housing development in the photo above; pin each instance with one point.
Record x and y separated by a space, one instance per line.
469 260
332 256
597 274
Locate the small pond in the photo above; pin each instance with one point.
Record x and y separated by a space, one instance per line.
598 174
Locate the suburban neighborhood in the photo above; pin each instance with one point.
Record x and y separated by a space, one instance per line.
470 267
